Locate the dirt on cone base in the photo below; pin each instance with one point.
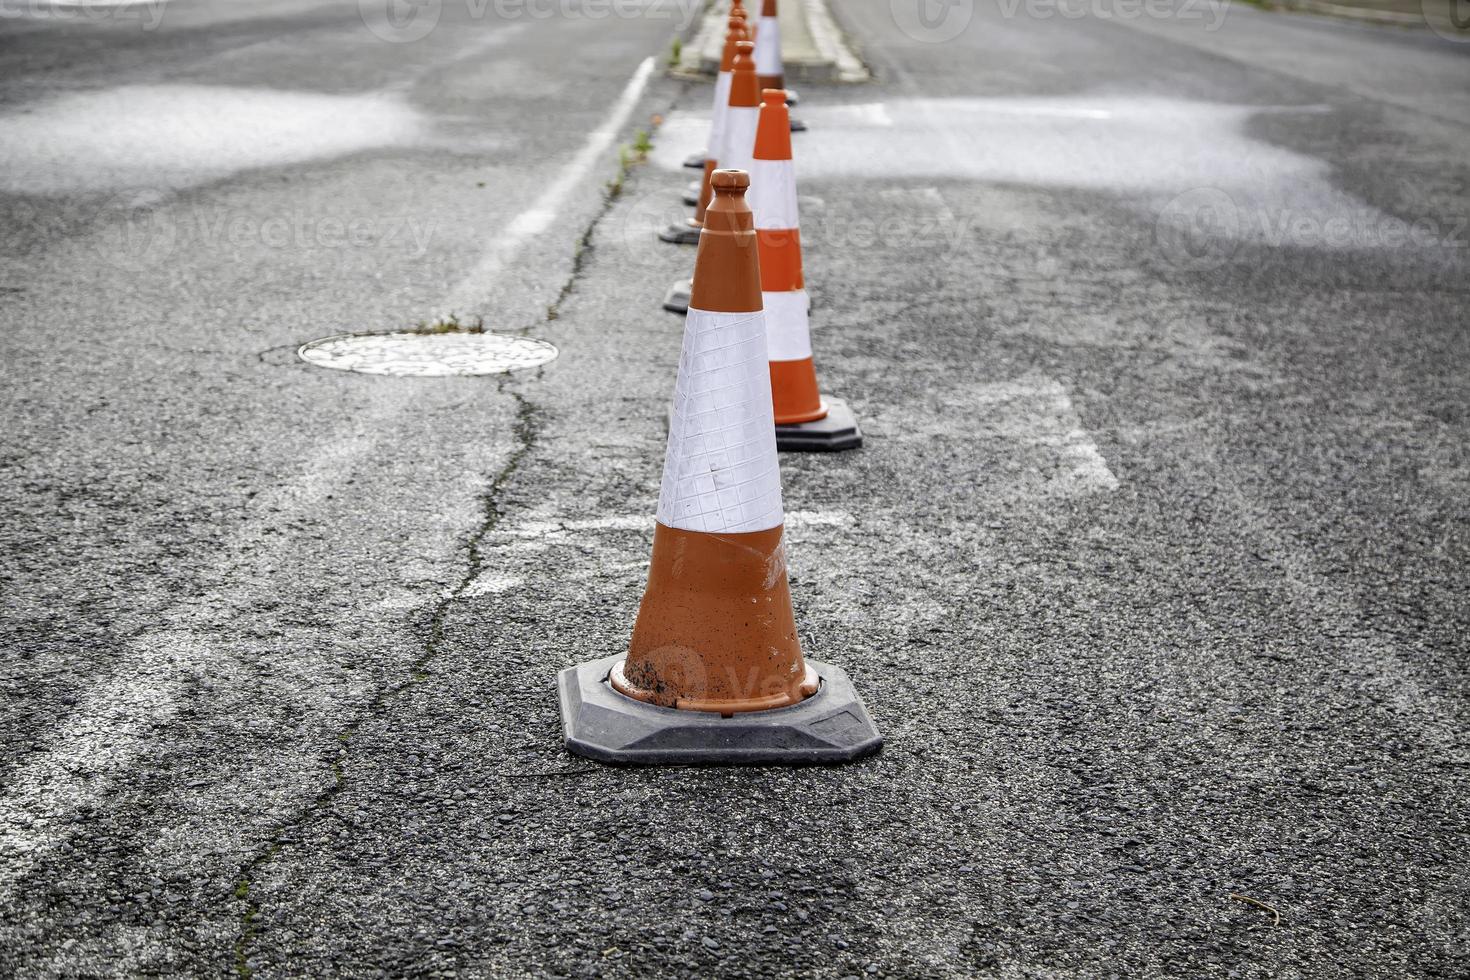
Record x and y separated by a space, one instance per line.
712 599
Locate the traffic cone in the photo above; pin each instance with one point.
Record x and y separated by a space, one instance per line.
715 672
804 419
737 143
686 232
768 68
697 161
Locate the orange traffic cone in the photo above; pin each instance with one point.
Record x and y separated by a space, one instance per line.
736 147
715 672
686 232
768 47
770 73
696 161
804 420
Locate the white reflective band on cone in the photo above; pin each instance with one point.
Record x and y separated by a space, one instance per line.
738 150
772 194
720 471
788 336
767 46
722 109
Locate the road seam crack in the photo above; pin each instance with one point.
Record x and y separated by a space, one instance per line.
527 428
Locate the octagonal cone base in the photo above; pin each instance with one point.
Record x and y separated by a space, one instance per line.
680 233
838 431
691 193
676 300
831 726
695 161
797 125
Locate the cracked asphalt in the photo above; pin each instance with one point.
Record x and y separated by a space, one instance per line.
1151 569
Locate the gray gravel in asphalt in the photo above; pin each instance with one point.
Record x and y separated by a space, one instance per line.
1151 568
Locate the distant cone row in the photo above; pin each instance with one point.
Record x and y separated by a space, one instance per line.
750 131
714 671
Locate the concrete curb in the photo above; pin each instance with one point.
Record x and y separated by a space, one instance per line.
832 44
1362 14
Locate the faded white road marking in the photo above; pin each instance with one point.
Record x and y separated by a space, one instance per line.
920 199
1033 440
157 138
109 728
113 721
539 216
1047 418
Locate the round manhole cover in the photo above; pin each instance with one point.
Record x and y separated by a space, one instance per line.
427 355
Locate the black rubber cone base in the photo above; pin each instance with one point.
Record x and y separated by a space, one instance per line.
680 233
695 162
691 192
828 727
676 300
797 126
838 431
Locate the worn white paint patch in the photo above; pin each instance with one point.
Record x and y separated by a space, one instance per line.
397 601
1142 146
1037 412
113 722
111 725
158 138
543 529
1022 436
493 583
920 199
818 518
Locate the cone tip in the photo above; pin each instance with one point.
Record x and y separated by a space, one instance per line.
745 47
730 180
773 96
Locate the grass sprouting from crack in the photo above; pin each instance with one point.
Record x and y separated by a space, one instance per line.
526 428
612 190
449 324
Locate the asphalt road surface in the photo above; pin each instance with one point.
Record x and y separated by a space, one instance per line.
1152 569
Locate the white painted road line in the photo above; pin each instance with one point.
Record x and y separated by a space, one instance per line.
480 283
